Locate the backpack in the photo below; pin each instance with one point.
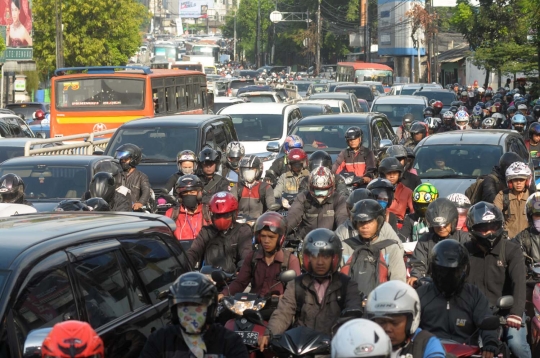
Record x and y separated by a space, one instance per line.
367 265
474 191
300 293
417 347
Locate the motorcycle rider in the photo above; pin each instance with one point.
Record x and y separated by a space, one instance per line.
76 337
129 155
433 123
489 123
462 204
415 224
317 297
100 186
536 112
355 158
448 122
496 181
320 158
391 169
254 196
234 152
186 161
408 179
462 120
464 304
518 123
395 306
437 108
279 166
383 192
289 182
72 205
498 269
533 143
97 204
209 162
225 242
529 238
369 334
442 218
403 130
417 132
12 189
193 333
428 112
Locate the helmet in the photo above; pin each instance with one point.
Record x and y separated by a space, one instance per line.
433 122
396 151
488 123
361 338
72 339
321 241
353 133
534 128
519 121
98 204
437 107
251 168
395 298
71 205
390 164
518 170
428 112
536 111
460 201
489 92
507 159
407 120
481 90
114 168
532 207
295 157
189 182
321 184
517 95
193 287
483 217
367 210
448 118
234 152
477 110
383 191
499 118
462 119
423 195
186 156
11 189
103 186
223 210
476 121
453 109
131 152
449 266
418 128
442 212
274 222
481 105
293 141
357 195
210 155
320 158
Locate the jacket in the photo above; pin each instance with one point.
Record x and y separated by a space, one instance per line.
529 240
402 201
496 278
264 276
422 252
289 183
278 168
515 219
408 143
188 225
120 202
138 183
413 228
171 182
444 128
167 342
320 317
455 318
218 248
433 348
232 177
306 214
410 180
491 186
402 134
249 201
393 254
362 163
214 185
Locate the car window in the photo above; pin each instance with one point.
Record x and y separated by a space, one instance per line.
220 138
5 131
258 127
136 293
395 112
381 128
514 145
330 138
209 138
359 92
446 97
376 137
154 262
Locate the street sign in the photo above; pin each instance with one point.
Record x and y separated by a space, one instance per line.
15 54
276 16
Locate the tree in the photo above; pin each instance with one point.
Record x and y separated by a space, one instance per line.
96 32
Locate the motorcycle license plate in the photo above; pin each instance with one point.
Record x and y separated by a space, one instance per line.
249 338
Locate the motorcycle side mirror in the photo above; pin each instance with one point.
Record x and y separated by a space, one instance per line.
274 207
273 147
219 276
505 302
34 341
490 323
208 269
385 143
352 313
536 268
287 276
254 317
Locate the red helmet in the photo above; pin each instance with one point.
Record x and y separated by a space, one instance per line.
221 205
497 106
297 155
72 339
274 222
437 105
39 115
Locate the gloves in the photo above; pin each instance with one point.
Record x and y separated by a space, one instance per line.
285 203
513 321
491 347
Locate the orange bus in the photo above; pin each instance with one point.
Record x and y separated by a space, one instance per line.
92 99
364 71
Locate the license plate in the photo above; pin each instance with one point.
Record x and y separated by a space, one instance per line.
249 338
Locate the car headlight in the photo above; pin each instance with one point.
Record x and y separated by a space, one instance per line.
268 157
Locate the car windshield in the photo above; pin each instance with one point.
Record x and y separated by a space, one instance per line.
395 112
158 144
456 161
260 99
10 152
408 91
445 97
318 88
311 110
302 87
240 84
330 138
50 181
258 127
360 92
364 106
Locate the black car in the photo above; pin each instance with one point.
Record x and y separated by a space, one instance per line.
27 109
360 91
108 269
438 94
160 140
14 147
12 126
50 179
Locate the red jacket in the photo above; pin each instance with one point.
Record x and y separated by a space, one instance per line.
188 225
402 201
362 163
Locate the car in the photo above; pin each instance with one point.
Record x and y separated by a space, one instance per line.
375 85
49 179
220 87
312 109
338 106
254 88
360 91
467 155
410 88
161 138
363 104
445 96
245 73
258 124
349 98
261 97
394 107
12 126
27 109
272 69
316 88
111 270
222 102
302 86
15 147
237 83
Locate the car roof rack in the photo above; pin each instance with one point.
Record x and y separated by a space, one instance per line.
101 69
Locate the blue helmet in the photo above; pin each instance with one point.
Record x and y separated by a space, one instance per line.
477 110
293 141
519 119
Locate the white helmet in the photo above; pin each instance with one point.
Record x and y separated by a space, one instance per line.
516 96
395 298
462 119
361 338
481 90
518 170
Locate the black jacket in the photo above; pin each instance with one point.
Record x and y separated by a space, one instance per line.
167 342
120 202
278 167
496 276
139 185
492 186
171 182
529 240
455 318
212 186
410 180
408 232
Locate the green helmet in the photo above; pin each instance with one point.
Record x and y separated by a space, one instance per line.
424 194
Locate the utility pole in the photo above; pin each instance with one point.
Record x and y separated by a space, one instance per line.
368 38
258 33
234 37
429 38
273 42
59 35
318 58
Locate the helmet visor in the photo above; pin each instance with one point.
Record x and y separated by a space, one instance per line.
487 227
321 193
122 155
8 197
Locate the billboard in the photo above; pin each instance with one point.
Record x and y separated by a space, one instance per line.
194 8
17 17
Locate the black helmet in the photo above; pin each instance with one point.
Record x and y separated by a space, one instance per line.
449 266
453 109
114 168
131 152
428 112
353 133
321 241
193 287
210 155
532 207
367 210
383 191
71 205
188 182
397 151
536 111
442 212
98 204
417 128
102 186
484 217
406 121
251 168
507 159
11 189
534 128
357 195
320 158
390 164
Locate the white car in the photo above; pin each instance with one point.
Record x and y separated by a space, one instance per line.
338 106
258 124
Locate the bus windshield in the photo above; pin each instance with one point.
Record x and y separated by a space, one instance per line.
167 52
188 67
374 75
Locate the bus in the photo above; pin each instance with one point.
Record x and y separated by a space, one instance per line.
202 49
165 51
363 71
92 99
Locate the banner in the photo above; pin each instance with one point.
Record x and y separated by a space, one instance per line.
17 17
194 8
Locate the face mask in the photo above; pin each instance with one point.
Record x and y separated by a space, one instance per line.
190 202
125 166
249 175
537 225
383 203
185 171
192 318
222 224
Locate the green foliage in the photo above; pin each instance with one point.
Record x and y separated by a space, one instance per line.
32 81
2 45
96 32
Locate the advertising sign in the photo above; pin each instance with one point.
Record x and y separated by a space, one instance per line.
193 8
16 29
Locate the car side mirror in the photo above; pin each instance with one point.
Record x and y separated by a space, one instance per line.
505 302
273 147
98 151
34 341
287 276
385 143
